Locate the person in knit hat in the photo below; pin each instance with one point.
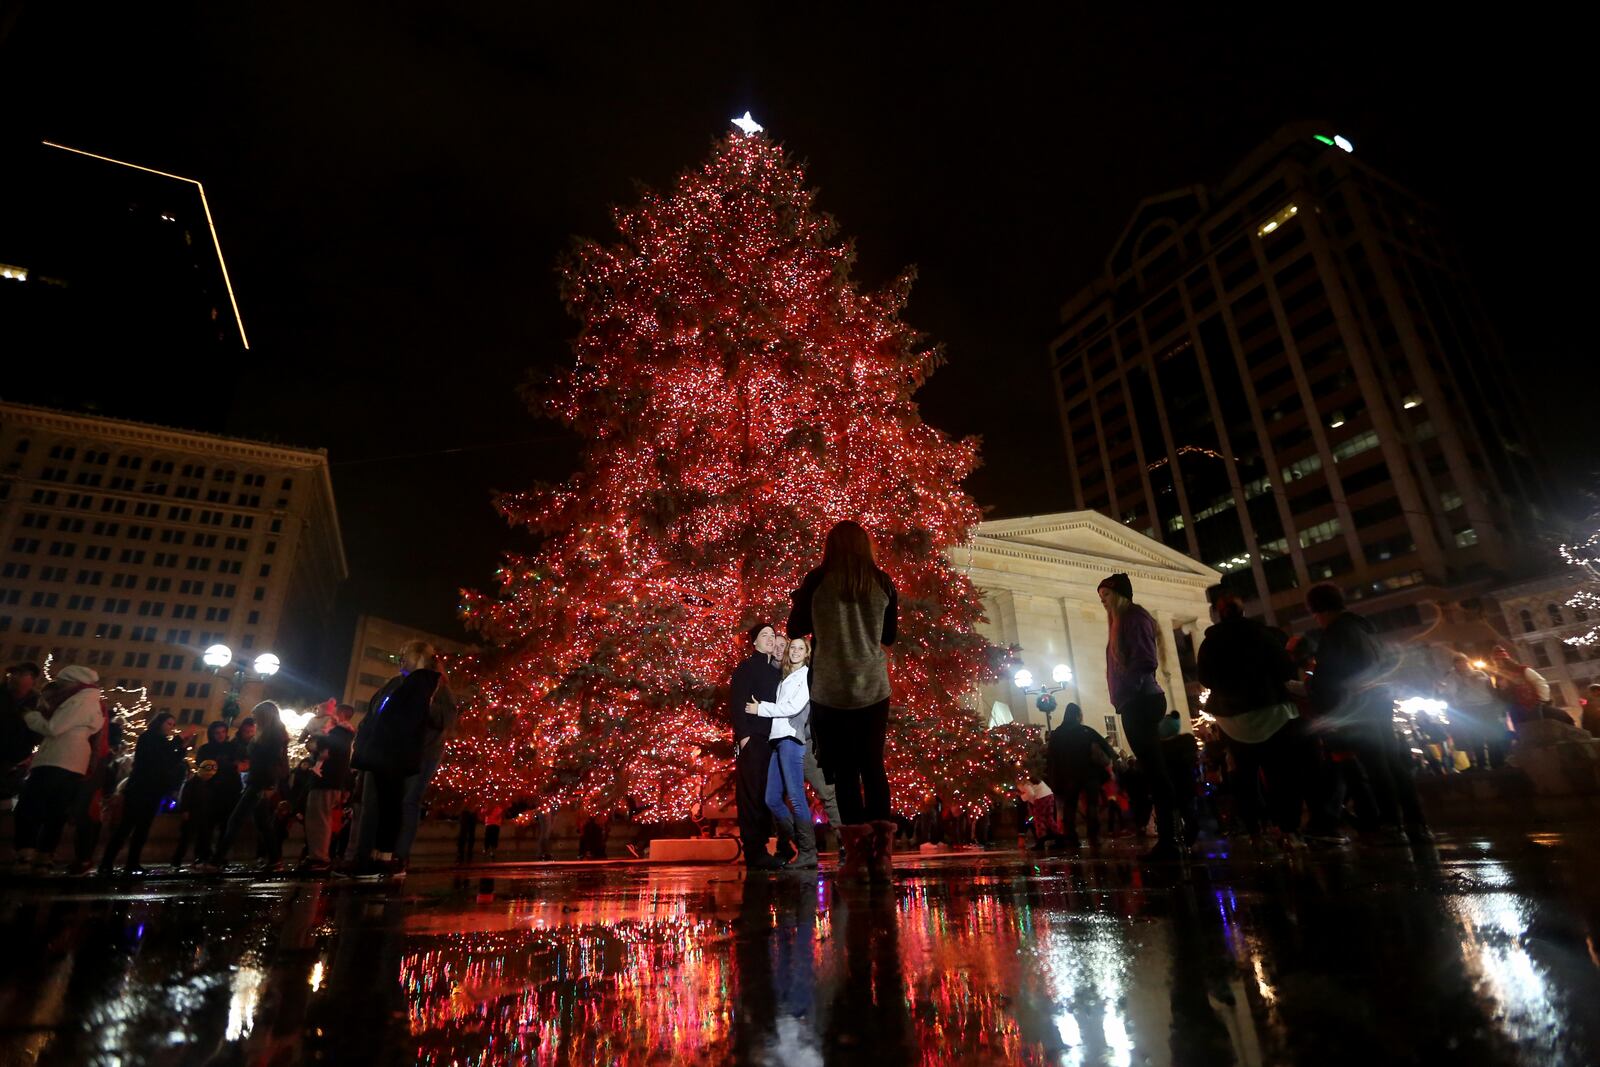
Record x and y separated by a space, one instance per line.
69 722
1141 703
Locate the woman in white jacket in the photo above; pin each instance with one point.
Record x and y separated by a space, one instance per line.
71 718
786 771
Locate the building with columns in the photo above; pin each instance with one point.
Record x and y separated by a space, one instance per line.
1037 576
1539 621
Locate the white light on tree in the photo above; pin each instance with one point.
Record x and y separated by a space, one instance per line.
267 664
749 125
217 656
1062 674
1023 678
1343 143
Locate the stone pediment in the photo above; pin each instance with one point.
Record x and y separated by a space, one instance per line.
1083 536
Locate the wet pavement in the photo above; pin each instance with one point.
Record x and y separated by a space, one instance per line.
1483 952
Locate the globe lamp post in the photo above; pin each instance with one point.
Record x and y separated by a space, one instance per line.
1046 702
218 657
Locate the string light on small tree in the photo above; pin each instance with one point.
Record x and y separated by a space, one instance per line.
1586 557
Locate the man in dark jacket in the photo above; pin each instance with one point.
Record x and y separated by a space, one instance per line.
388 747
1078 762
757 679
1351 699
1245 666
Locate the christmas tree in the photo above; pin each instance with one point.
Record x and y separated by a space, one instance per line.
737 394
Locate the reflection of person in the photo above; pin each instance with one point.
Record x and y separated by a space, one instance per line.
866 969
786 783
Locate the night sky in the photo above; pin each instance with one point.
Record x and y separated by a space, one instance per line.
393 184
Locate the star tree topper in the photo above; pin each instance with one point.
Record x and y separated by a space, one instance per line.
749 125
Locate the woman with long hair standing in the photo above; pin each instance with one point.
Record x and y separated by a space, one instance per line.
786 768
851 610
1131 662
268 755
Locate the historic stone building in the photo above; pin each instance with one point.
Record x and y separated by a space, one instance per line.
1038 577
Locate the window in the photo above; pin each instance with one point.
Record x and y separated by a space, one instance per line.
1322 531
1466 538
1527 621
1355 445
1554 613
1541 658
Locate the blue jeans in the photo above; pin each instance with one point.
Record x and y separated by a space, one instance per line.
411 813
786 782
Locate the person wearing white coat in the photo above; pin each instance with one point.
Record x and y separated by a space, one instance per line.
786 775
71 718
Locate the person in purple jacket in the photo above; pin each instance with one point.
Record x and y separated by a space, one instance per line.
1131 661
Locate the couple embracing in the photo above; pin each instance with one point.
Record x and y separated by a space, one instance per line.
833 689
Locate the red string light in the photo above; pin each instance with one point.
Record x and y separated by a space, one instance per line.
737 394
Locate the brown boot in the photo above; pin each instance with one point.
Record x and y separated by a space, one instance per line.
856 841
881 865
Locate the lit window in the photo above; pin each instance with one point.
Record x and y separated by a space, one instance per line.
1414 400
14 274
1276 221
1466 538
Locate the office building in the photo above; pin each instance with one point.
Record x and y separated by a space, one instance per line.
131 548
103 265
375 656
1287 377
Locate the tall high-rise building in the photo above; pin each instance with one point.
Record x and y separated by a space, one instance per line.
1289 378
131 548
115 298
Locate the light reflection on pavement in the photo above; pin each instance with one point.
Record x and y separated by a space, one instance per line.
1481 954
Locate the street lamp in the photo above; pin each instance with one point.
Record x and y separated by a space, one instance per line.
1023 680
219 656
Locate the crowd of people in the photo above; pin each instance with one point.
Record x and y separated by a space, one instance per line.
1297 745
357 793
